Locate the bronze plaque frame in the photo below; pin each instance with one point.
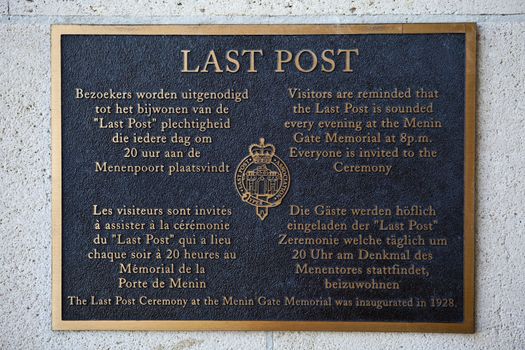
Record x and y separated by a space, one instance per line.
469 29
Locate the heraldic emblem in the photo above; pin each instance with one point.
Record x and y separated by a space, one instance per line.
262 179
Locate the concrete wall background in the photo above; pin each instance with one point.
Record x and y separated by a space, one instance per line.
25 181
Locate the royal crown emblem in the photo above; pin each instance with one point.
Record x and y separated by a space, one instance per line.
262 179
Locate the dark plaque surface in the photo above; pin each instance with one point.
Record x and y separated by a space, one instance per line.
263 177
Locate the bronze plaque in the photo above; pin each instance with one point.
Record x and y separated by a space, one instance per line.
263 177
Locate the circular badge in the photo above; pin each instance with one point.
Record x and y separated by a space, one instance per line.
262 179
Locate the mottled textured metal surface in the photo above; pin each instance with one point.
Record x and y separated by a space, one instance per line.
140 63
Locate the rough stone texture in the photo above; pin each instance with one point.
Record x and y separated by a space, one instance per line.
260 7
25 225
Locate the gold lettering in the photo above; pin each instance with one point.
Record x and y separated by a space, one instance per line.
185 60
348 53
281 60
